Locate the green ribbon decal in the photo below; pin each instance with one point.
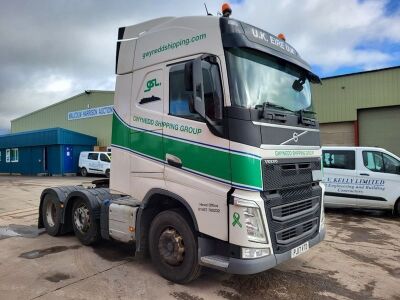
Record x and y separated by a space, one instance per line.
236 218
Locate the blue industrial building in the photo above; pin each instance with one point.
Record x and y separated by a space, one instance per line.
53 151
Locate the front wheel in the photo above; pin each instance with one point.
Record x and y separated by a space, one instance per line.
173 247
86 226
107 173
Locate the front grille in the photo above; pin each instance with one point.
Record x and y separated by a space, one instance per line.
294 233
295 209
292 202
281 175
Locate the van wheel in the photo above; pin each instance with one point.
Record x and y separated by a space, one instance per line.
173 247
397 207
51 214
108 173
84 172
86 227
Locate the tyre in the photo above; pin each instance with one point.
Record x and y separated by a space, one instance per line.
51 214
108 173
84 172
86 226
173 247
397 208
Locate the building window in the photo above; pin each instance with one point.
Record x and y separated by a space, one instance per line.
7 155
14 155
339 159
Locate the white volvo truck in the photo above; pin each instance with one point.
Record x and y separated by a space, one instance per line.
216 155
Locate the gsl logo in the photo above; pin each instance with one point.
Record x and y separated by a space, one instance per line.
151 83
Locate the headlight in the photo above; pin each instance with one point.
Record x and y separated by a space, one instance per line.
252 220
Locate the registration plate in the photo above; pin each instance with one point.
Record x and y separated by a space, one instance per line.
300 249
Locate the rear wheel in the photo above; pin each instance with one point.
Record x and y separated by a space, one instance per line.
86 226
173 247
84 172
51 214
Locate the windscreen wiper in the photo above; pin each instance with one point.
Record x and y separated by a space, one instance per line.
307 121
268 115
272 105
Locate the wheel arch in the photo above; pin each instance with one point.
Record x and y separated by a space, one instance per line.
156 201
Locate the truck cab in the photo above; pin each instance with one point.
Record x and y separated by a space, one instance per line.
361 177
216 152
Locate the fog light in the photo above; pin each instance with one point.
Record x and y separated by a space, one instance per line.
248 253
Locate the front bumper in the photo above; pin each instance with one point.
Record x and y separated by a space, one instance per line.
257 265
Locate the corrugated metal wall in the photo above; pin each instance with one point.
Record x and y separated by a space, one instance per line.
56 116
338 98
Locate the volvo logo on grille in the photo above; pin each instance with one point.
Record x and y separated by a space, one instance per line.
271 161
295 137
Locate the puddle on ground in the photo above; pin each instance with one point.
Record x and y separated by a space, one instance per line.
43 252
57 277
277 284
13 230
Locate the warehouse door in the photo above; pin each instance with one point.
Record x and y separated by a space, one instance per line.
380 127
337 134
68 160
36 160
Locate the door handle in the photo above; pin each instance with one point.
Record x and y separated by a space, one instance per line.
173 160
364 174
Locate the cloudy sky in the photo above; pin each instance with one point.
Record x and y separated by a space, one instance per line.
53 49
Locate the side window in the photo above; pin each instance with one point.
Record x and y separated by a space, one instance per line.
212 90
104 157
391 164
339 159
373 161
180 99
181 94
93 156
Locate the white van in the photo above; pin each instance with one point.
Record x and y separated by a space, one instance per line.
362 177
94 162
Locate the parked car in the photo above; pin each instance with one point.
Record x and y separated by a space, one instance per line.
95 163
361 177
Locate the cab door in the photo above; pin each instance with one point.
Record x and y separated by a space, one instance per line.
197 160
379 178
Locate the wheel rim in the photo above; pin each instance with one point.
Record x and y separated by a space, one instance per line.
83 172
51 213
82 218
171 247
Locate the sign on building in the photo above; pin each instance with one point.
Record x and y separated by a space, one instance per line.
90 113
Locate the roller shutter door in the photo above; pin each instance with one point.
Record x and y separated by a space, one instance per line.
337 134
380 127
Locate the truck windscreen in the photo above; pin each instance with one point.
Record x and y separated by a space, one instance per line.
256 77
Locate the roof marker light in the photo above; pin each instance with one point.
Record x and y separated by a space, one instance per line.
282 37
226 10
